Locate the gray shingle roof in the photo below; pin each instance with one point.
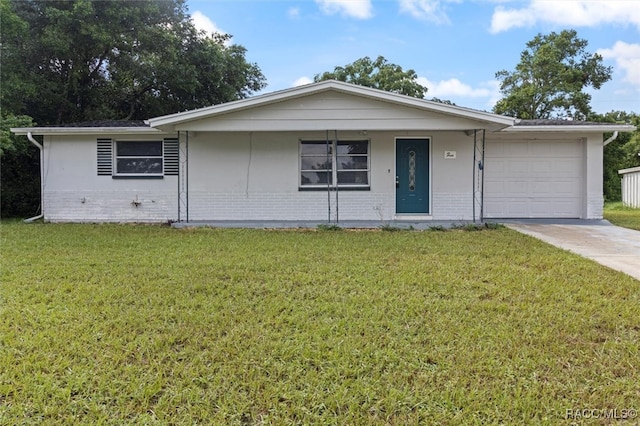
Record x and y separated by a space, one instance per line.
558 122
105 123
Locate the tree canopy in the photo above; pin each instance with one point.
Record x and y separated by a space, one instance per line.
550 79
379 74
619 154
68 61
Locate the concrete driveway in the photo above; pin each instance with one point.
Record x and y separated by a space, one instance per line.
612 246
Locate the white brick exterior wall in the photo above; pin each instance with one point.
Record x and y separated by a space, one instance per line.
453 206
298 205
110 206
247 176
595 205
73 191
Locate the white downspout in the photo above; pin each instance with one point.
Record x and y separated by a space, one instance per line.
40 147
611 139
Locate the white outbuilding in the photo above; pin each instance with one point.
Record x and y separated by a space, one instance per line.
631 187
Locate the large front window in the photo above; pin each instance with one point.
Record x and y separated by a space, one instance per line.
139 158
323 163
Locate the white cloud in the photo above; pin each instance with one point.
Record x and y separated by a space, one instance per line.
302 81
359 9
202 22
294 13
576 13
627 57
427 10
454 90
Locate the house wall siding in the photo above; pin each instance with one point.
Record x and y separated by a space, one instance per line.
329 110
73 192
254 176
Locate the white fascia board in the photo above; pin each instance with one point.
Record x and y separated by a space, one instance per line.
425 104
63 131
300 91
593 128
631 170
269 98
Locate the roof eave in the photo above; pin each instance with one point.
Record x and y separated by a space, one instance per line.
63 131
573 128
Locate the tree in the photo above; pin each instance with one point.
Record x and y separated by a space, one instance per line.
622 153
67 61
379 74
549 81
19 170
131 59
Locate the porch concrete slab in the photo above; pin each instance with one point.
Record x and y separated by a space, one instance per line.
612 246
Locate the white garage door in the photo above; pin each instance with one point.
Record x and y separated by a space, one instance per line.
533 179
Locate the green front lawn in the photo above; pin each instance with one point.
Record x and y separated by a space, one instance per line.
110 324
620 215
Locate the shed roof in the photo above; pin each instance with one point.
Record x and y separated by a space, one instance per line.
631 170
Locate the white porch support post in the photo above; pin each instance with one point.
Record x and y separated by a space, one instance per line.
183 177
478 174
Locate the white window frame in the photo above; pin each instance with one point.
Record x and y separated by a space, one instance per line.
334 170
117 157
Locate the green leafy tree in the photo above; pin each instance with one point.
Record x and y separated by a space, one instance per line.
379 74
550 79
67 61
620 154
84 60
19 170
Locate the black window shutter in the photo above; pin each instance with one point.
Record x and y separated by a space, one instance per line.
105 157
171 157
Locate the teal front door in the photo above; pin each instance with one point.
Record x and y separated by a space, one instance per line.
412 176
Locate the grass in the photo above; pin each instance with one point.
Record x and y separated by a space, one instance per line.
109 324
618 214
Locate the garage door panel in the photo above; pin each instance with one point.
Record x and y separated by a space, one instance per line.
515 149
516 187
496 148
568 167
541 207
541 167
515 168
529 179
539 188
516 209
567 187
539 149
493 186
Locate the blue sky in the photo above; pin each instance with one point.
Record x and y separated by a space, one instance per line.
455 46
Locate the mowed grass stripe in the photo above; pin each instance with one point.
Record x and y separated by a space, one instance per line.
621 215
120 324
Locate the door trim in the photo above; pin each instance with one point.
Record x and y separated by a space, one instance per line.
414 216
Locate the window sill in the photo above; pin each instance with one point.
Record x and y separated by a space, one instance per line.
136 177
333 189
